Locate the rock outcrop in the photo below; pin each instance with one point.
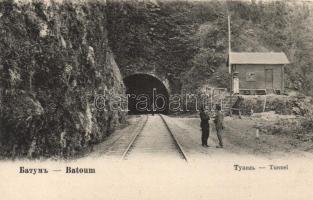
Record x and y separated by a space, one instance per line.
54 61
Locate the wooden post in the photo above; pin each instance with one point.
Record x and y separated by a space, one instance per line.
283 79
229 51
229 45
264 106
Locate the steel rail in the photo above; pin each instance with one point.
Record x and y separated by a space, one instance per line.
134 138
178 145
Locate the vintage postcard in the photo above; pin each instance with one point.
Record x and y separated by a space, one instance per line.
156 99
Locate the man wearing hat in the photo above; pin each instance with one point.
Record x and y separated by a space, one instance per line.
219 125
205 126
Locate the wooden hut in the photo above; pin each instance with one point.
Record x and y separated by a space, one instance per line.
257 73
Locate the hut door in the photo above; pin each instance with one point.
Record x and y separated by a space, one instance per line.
269 78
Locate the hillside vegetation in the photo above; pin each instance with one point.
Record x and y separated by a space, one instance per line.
187 41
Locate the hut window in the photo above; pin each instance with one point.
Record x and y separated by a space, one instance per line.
250 76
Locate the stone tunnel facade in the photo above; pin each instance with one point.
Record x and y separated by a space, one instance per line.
147 93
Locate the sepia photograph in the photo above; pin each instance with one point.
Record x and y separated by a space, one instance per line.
156 99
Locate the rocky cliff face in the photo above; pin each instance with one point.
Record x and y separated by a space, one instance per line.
54 61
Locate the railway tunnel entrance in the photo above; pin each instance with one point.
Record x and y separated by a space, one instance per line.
146 94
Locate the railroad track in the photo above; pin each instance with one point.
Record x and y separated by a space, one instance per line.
134 138
154 137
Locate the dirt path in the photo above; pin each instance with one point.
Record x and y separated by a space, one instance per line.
239 137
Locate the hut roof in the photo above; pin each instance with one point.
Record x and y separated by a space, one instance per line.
258 58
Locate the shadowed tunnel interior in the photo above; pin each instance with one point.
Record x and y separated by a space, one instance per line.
146 94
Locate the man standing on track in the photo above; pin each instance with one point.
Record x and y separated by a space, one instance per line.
205 127
219 125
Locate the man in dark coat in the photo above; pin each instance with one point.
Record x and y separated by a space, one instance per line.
205 127
219 125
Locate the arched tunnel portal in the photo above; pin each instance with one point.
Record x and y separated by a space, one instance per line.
146 94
